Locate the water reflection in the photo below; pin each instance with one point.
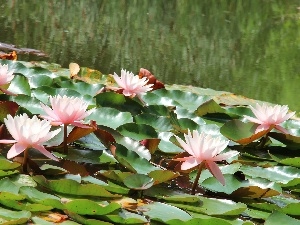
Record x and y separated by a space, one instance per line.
248 47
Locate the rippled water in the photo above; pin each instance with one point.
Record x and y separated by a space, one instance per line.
249 47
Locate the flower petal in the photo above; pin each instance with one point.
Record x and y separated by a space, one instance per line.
280 128
262 127
225 156
15 150
45 152
3 141
215 171
190 163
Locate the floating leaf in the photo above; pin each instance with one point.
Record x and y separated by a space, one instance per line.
160 123
160 176
39 80
133 161
82 87
125 217
242 133
119 102
29 103
134 146
138 181
83 220
166 145
184 113
259 188
295 161
292 142
279 174
212 206
164 212
24 206
15 217
137 131
79 132
19 85
209 107
8 165
278 218
88 207
202 221
42 198
187 100
7 108
151 144
66 186
110 117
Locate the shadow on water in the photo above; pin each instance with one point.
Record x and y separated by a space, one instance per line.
247 47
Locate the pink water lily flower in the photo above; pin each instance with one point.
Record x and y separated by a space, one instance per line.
270 117
206 149
6 76
66 110
28 133
131 84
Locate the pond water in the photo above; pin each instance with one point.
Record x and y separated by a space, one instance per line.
249 47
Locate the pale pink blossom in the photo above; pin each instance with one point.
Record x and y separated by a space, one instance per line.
131 84
269 117
66 110
206 149
6 77
28 133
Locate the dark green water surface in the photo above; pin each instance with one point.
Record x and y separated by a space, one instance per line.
248 47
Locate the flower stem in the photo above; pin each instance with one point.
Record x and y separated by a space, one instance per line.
200 168
25 159
65 139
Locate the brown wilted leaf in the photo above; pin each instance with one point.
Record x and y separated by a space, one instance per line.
75 168
79 132
151 144
152 79
105 137
9 56
74 69
54 217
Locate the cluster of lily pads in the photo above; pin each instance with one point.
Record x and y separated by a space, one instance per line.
121 150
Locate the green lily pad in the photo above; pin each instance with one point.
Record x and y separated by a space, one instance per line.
82 87
110 117
126 217
137 131
187 100
165 212
212 206
242 133
32 207
278 218
138 181
39 80
29 103
160 176
15 217
119 102
292 142
133 161
88 207
72 187
159 123
19 85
